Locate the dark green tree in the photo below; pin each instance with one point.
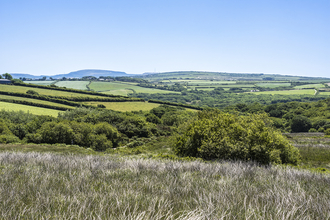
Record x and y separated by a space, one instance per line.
300 123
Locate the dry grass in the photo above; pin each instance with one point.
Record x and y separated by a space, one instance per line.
50 186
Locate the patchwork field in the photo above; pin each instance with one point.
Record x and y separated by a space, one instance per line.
116 88
272 85
44 83
194 82
26 108
324 93
73 84
23 89
289 92
126 106
34 101
309 86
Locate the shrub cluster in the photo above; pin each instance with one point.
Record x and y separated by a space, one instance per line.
217 135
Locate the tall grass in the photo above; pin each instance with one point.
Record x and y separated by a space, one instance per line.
52 186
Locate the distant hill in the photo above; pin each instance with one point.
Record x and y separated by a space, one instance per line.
203 75
75 74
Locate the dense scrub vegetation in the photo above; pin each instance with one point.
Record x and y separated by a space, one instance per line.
293 116
220 99
216 135
99 129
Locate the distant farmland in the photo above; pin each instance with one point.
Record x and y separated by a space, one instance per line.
118 88
41 82
126 106
272 85
309 86
289 92
23 89
73 84
26 108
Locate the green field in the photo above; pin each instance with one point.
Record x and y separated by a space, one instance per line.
288 92
309 86
324 93
26 108
272 85
23 89
126 106
44 83
34 101
194 82
73 84
117 88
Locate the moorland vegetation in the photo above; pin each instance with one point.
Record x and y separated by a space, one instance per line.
167 162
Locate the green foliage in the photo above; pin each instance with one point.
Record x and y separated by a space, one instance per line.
32 92
217 135
7 76
312 130
153 119
300 123
327 132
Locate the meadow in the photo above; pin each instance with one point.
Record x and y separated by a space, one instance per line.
194 82
324 93
24 89
310 86
120 88
126 106
30 109
53 186
82 85
41 82
34 101
272 85
289 92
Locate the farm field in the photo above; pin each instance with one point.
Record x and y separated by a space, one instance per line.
288 92
272 85
126 106
309 86
26 108
34 101
116 88
73 84
324 93
44 83
23 89
191 81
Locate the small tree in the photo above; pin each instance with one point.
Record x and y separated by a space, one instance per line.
7 76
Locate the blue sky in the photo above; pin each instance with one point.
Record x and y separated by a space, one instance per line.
136 36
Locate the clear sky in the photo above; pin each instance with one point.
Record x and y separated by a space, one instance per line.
136 36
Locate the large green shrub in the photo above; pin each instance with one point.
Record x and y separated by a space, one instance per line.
300 123
217 135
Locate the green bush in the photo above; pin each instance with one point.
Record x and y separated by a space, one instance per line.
327 132
32 92
7 138
312 130
217 135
